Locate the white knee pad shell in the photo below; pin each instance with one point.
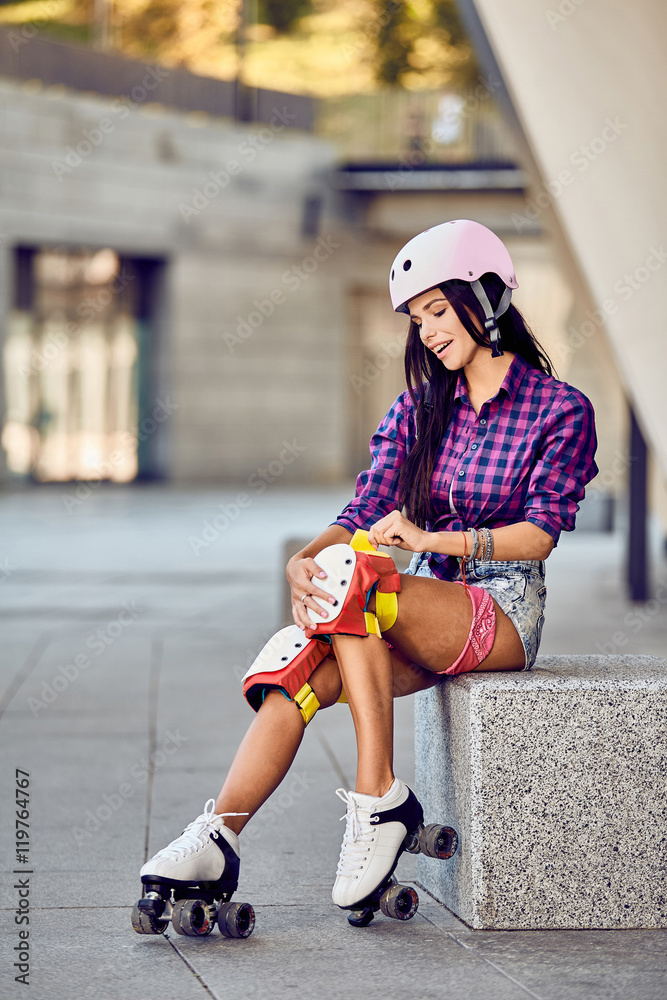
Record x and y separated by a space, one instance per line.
286 662
352 576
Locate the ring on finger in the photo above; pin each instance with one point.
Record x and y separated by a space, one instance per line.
304 597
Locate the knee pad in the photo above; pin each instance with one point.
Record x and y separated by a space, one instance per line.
289 658
354 572
286 662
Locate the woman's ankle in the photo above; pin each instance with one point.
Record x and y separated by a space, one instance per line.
377 786
233 823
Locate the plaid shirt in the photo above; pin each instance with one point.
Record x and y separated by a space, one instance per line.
527 456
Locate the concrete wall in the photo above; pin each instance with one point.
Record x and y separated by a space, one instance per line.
277 341
82 169
586 81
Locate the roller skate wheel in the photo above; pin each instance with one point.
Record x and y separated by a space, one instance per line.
146 922
399 902
437 841
192 917
236 920
412 843
360 918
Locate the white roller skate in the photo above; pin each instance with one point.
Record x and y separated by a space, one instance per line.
377 832
192 880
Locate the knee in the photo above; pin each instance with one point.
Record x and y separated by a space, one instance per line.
326 682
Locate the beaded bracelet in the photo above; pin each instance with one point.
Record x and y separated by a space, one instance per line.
485 545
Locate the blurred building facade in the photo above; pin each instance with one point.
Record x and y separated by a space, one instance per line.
199 299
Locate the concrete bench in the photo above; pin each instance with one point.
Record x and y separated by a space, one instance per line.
556 781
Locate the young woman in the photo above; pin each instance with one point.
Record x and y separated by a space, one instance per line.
476 469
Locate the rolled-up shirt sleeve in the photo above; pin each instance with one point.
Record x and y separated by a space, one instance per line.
565 465
377 488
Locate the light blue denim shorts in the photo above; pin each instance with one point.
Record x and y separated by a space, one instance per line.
518 587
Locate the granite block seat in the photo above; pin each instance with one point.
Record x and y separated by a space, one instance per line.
556 781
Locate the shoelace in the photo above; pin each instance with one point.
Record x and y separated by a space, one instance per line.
356 839
195 834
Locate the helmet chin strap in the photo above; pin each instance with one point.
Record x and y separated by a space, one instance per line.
490 324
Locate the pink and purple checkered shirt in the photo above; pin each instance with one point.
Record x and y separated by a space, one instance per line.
526 456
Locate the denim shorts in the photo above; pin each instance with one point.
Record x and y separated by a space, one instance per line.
517 586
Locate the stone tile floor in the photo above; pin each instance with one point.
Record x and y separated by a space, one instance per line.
123 638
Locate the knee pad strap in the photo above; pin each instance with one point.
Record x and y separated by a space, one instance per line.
307 702
386 604
372 624
386 609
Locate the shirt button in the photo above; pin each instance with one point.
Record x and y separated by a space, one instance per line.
474 446
483 420
462 472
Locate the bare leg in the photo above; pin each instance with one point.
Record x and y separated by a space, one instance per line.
433 623
262 760
366 672
371 677
269 746
432 627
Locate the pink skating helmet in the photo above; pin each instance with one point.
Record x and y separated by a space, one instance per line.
460 249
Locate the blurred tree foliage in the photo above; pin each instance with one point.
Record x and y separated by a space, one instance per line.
283 15
413 39
322 47
175 32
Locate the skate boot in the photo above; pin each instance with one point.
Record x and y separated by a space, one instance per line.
378 830
376 834
192 880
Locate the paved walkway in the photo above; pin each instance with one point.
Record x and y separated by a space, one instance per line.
127 620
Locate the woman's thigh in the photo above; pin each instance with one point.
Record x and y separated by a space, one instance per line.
408 678
431 629
433 624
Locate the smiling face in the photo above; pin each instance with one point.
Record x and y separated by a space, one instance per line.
441 330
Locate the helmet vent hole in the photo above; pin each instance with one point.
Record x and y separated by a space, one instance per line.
470 272
392 274
407 264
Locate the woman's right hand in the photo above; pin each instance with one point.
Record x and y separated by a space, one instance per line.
302 575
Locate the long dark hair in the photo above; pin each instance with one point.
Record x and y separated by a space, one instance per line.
432 386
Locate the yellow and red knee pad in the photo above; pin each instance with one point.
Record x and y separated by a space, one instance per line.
286 662
289 658
354 573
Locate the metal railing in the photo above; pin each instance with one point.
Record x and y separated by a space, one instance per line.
446 126
457 125
86 69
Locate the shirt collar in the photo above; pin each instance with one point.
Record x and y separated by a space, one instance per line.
510 383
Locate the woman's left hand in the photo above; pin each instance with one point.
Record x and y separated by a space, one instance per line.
394 529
